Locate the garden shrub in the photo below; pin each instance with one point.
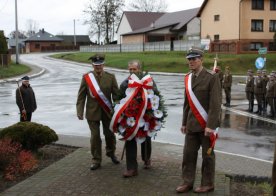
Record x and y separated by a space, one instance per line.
13 160
30 135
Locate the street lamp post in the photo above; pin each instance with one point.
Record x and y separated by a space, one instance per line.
75 33
16 34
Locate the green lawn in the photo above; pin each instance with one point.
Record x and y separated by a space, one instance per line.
13 70
175 62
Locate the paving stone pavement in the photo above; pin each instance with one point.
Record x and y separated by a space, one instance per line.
72 176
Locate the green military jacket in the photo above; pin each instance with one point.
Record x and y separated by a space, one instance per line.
259 86
207 90
249 87
108 84
227 80
270 89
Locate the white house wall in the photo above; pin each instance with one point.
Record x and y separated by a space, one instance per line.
193 28
123 28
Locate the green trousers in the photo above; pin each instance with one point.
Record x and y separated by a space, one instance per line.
193 141
96 142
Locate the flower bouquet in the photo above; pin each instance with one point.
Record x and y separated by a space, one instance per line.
141 113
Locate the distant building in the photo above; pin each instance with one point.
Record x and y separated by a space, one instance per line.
81 40
182 25
42 41
237 26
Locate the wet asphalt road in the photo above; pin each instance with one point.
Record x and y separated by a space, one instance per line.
56 93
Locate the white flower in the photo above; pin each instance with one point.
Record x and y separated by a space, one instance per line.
140 140
116 107
158 125
128 90
158 113
141 122
146 127
150 93
152 133
131 121
121 129
154 102
122 101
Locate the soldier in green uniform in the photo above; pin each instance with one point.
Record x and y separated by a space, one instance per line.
259 89
98 111
206 88
266 79
249 89
270 89
227 83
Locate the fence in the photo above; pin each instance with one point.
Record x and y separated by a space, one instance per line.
176 45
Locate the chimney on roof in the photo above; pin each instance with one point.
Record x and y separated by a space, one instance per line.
42 30
152 25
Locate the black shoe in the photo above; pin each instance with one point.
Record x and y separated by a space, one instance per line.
95 166
114 160
257 112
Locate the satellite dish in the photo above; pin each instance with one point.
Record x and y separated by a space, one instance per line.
259 63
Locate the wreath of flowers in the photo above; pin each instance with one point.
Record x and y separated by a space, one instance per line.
153 113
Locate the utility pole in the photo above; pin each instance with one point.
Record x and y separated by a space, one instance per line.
16 34
75 33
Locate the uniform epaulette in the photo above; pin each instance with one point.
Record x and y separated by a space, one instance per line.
210 71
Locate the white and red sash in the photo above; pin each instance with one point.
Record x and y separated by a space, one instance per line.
97 92
135 85
197 109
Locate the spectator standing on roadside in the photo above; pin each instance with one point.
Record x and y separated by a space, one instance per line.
25 99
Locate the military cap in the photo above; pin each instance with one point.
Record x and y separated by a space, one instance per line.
227 67
194 52
250 71
25 78
97 59
259 71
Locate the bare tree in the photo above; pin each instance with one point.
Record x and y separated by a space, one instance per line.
148 5
104 17
31 26
21 34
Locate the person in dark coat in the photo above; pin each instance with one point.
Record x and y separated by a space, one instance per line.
201 116
25 100
134 67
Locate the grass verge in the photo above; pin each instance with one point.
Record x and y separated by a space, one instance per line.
175 62
13 70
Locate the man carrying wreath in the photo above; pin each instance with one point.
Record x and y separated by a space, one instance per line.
201 116
96 90
141 136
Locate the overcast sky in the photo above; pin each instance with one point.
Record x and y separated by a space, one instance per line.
56 16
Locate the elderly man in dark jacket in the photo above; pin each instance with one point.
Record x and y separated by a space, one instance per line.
25 100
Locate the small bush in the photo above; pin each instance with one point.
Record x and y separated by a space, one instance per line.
30 135
13 160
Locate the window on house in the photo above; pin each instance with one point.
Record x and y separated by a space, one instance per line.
257 4
216 37
37 46
272 4
255 45
216 17
272 26
256 25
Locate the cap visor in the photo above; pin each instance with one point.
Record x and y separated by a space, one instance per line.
98 63
192 56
